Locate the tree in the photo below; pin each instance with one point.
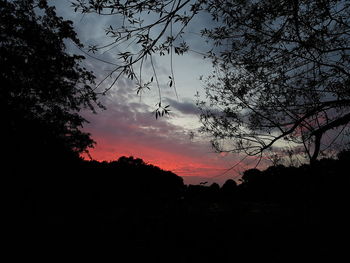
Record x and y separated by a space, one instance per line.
285 76
251 176
229 188
140 38
281 67
43 87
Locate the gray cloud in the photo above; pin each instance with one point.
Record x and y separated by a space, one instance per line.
185 106
128 127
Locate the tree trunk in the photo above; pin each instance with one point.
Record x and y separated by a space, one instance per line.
318 137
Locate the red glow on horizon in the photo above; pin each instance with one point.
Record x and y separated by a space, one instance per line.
182 164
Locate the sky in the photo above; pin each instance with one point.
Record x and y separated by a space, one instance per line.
127 126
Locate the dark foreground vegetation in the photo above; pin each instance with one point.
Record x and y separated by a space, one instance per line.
63 208
129 208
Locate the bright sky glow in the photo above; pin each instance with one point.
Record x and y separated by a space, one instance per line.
128 127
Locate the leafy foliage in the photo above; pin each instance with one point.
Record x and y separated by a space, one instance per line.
284 76
43 87
160 111
281 67
150 27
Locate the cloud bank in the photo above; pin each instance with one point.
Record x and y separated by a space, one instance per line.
128 127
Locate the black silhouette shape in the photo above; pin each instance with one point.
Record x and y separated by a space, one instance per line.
127 206
43 87
262 91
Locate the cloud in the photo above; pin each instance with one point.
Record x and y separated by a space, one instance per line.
128 127
184 107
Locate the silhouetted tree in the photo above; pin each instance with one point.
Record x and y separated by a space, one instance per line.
251 175
131 161
214 187
229 188
281 67
137 177
44 88
282 74
344 155
229 185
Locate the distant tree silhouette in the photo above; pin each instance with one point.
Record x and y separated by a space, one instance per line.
229 189
131 161
44 88
344 155
138 177
229 185
215 187
275 212
251 175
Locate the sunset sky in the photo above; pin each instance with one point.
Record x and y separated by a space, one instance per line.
128 127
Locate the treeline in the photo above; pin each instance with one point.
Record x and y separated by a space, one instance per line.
274 212
317 194
327 178
129 181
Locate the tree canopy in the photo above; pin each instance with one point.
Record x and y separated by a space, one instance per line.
285 75
44 88
281 67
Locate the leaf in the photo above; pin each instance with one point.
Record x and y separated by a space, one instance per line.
171 83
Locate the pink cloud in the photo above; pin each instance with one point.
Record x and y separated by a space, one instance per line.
129 129
191 161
